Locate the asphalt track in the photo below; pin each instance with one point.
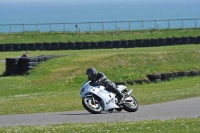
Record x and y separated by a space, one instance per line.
187 108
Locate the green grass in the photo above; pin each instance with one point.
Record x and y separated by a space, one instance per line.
96 36
53 86
155 126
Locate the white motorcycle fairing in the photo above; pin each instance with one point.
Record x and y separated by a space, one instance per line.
108 99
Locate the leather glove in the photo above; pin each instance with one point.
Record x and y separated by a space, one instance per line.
98 82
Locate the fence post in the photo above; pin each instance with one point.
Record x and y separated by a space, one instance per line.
76 26
155 25
168 24
23 28
142 25
89 27
36 28
50 27
102 27
195 23
116 25
182 23
64 28
10 29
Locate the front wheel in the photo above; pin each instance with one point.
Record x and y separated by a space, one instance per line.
131 104
92 105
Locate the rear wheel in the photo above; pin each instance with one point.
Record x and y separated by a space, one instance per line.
92 105
131 104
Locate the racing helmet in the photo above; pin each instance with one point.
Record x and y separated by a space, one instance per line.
91 73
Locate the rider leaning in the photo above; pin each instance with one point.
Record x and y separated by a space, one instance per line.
101 79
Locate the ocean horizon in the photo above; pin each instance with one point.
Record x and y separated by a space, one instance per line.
77 11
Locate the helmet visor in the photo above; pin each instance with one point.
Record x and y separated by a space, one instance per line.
89 75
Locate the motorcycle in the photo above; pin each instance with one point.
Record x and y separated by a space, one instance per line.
96 99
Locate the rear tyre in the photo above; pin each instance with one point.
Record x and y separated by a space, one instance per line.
94 108
131 106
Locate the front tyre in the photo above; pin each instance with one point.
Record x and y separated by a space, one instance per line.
131 104
91 106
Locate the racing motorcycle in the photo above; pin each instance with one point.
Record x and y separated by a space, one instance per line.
96 99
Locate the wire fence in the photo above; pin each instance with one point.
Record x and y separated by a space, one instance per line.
100 26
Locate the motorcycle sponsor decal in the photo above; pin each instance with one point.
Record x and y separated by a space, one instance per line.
109 101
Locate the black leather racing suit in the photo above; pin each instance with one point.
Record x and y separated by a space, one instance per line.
101 79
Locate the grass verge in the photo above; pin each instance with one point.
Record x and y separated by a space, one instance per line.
53 86
156 126
96 36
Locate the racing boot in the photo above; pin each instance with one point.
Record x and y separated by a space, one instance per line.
113 88
119 98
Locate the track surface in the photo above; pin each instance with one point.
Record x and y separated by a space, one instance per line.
187 108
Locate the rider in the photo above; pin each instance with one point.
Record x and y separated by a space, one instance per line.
101 79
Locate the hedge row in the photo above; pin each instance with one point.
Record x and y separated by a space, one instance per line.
161 77
100 44
21 66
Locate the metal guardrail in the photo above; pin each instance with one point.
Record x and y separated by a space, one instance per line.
100 26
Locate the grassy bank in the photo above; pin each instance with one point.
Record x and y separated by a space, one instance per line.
54 85
95 36
155 126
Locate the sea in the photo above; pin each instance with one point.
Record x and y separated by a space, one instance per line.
97 15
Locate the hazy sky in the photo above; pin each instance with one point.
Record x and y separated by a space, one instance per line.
82 1
96 2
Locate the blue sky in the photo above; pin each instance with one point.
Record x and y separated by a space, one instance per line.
100 1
